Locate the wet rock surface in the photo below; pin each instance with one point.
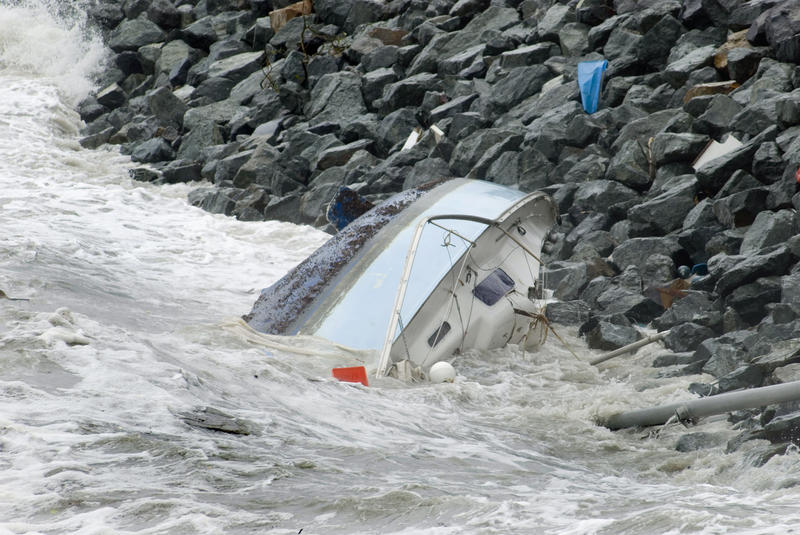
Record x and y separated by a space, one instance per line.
271 120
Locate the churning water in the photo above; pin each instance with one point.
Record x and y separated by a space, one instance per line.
131 321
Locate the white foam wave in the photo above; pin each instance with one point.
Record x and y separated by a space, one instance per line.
52 40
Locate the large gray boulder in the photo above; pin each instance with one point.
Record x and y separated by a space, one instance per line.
336 98
747 269
665 212
600 195
768 229
134 34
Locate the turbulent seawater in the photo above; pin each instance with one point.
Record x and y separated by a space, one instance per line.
130 320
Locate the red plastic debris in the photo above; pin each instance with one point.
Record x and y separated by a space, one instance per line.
354 374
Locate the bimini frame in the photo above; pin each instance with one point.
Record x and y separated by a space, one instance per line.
384 362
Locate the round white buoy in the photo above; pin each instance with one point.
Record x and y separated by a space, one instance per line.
442 372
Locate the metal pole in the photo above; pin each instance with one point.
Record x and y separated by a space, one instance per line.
698 408
630 347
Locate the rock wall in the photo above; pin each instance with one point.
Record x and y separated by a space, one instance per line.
276 118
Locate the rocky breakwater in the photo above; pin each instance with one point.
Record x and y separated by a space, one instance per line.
275 116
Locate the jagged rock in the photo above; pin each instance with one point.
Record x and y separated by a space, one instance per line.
768 163
227 166
214 200
426 170
779 27
713 174
112 96
362 12
452 107
554 19
634 306
251 203
107 16
635 251
526 56
747 269
717 118
374 83
285 208
134 34
166 107
259 34
696 307
777 354
409 91
395 128
670 147
630 166
259 167
607 336
750 300
757 116
723 354
567 279
740 378
218 112
768 229
468 7
153 150
379 58
175 58
574 39
740 209
649 99
461 60
659 270
314 202
783 429
677 72
665 212
519 84
337 156
181 171
739 182
446 44
468 151
622 43
143 174
698 441
659 40
337 98
567 312
164 13
600 195
742 62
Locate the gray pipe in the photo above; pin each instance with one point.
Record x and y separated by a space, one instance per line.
698 408
630 347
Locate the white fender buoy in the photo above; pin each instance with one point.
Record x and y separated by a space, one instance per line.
442 372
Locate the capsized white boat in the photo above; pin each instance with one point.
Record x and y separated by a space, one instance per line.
445 267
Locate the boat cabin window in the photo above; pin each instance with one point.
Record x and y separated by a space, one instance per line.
438 334
493 287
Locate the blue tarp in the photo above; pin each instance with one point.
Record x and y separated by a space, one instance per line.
590 80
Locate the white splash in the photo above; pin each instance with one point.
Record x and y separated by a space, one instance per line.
40 42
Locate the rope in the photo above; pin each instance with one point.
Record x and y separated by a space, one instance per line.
446 244
541 317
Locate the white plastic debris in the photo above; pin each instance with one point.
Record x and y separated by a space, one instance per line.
715 150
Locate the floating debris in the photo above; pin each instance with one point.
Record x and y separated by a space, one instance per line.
216 420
